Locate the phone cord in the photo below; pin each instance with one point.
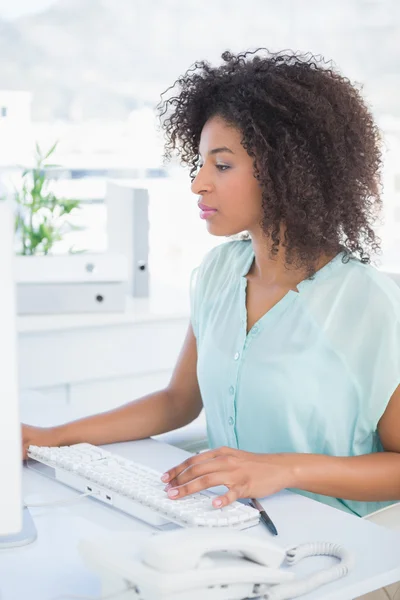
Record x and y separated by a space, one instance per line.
285 591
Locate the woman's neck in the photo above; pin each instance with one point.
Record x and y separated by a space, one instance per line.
273 272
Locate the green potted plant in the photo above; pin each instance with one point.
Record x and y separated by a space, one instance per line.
41 217
56 283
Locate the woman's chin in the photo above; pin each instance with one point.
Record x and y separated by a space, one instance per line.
221 230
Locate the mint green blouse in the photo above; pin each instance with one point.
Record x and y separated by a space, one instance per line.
313 375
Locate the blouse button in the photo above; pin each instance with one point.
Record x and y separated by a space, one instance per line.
255 328
230 421
236 356
231 390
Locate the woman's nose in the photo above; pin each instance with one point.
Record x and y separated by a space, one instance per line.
200 184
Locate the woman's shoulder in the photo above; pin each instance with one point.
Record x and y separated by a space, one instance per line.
375 288
231 256
351 296
218 271
220 267
354 283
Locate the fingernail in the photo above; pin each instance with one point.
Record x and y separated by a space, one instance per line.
172 493
165 477
167 487
217 502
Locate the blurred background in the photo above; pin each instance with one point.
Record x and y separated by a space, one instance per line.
88 74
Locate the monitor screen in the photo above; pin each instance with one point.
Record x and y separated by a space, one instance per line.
10 436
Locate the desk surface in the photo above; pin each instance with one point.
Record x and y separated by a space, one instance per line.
52 566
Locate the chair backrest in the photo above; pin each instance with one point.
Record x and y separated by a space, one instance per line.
386 517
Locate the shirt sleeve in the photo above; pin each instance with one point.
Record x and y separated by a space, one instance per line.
359 315
385 367
375 349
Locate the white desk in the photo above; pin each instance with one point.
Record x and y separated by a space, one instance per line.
52 566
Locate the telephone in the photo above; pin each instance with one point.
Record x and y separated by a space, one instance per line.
207 564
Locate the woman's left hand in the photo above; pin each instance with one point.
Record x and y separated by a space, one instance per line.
245 474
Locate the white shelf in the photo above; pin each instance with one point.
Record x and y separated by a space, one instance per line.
161 306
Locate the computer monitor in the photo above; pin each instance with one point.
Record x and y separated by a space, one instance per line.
16 526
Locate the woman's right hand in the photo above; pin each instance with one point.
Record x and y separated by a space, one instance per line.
38 436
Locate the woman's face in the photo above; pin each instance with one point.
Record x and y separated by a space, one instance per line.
230 195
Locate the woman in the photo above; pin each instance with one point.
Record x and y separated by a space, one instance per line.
294 340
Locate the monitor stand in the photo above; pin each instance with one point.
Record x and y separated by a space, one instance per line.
27 535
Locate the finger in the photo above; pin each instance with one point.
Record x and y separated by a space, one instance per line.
193 460
226 499
199 484
199 469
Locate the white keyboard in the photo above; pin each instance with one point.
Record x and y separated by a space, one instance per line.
134 488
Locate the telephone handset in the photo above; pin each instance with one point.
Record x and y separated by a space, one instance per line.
188 551
207 564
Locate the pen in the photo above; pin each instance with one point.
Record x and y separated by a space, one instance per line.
264 517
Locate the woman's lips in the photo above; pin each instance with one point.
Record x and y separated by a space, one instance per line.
206 211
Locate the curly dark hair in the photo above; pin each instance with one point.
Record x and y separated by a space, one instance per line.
314 144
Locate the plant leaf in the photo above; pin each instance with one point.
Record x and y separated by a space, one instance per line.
40 219
50 152
69 205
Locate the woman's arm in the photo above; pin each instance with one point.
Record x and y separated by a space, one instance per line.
369 477
162 411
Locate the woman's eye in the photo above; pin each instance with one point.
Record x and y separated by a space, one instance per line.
219 167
